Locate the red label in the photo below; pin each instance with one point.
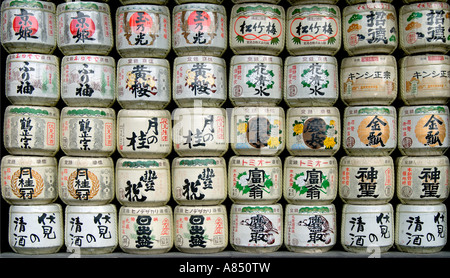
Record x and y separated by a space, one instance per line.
82 26
25 24
108 134
51 128
141 22
435 58
199 21
369 59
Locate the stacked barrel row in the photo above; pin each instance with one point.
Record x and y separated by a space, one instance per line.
144 128
372 128
256 126
423 167
31 134
88 130
200 127
368 88
313 126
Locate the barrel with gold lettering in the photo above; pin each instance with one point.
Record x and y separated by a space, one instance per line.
29 180
28 26
423 130
370 130
199 81
86 181
143 83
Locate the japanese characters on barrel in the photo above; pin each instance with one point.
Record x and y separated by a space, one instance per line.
368 86
144 127
200 126
423 167
87 80
31 127
313 125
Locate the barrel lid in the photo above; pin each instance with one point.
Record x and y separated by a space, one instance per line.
82 6
422 161
198 161
236 161
143 113
54 207
33 111
313 111
366 161
369 60
199 58
89 112
141 163
82 161
370 110
252 209
424 60
29 4
331 161
145 210
422 6
310 209
424 109
83 59
31 161
420 208
147 61
350 208
212 209
146 7
111 208
34 57
326 59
